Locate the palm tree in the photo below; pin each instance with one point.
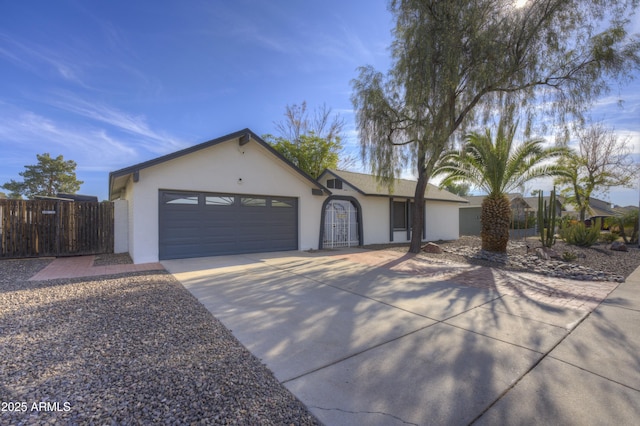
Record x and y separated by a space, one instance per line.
497 167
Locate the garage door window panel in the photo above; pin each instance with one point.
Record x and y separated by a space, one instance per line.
283 203
219 200
254 201
180 199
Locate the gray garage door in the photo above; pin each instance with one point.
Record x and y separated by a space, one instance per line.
195 224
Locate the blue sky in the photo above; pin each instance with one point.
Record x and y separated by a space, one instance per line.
111 84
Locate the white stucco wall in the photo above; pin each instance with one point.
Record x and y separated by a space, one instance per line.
120 226
441 224
375 219
131 219
225 167
375 213
442 217
442 220
400 236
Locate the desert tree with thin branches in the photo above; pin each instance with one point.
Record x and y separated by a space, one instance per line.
600 161
457 62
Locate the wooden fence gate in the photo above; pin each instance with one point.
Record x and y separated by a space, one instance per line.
35 228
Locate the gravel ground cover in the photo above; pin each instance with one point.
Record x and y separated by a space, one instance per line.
133 349
597 258
112 259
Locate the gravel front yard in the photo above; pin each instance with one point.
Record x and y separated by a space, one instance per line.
595 258
127 349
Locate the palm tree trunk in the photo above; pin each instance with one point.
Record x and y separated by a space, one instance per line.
495 217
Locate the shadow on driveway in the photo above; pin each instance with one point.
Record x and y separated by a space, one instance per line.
382 337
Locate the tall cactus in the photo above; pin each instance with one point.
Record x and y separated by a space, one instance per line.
547 219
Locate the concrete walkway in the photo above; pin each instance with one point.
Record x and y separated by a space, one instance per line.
82 266
592 377
381 338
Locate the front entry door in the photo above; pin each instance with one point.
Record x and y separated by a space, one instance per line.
340 224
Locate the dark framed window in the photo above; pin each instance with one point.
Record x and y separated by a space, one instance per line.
334 183
400 215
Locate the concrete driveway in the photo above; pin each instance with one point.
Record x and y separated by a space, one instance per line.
382 338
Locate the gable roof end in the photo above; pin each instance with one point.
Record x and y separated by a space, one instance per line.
119 178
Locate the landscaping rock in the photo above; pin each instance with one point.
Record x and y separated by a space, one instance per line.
127 349
432 248
591 264
618 246
553 254
542 254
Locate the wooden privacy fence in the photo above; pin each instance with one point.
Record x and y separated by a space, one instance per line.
34 228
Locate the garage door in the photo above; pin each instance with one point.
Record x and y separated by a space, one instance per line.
195 224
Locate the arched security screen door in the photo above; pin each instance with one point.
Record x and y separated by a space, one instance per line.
340 224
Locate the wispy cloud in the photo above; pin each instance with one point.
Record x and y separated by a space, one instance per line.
348 45
94 147
29 133
135 125
310 48
31 57
116 39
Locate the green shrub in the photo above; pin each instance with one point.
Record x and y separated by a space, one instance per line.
566 221
609 237
626 224
580 235
526 223
569 256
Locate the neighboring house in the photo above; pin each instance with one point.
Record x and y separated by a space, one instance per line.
532 202
384 215
598 209
469 216
528 206
620 210
68 197
521 207
236 194
78 197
